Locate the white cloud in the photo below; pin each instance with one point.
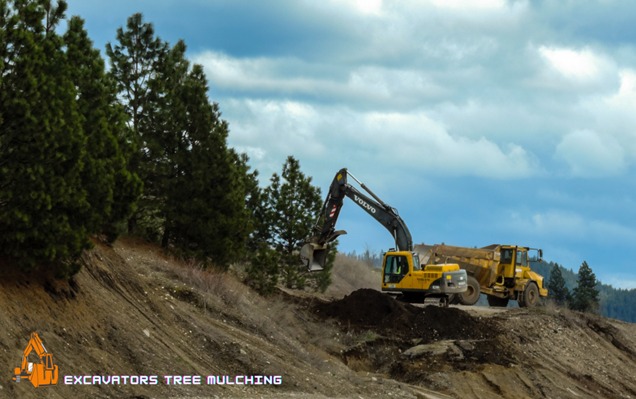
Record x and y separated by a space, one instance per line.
427 144
559 223
577 72
373 7
260 74
566 225
401 141
470 4
590 154
583 64
616 112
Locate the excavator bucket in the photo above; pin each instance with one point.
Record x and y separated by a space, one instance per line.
314 256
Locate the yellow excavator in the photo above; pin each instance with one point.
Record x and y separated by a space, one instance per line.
41 373
402 272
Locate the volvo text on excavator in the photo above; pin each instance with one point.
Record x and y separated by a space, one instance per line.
402 272
39 370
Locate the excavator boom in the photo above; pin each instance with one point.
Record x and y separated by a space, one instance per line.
314 252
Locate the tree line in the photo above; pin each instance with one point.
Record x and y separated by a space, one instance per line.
137 148
582 291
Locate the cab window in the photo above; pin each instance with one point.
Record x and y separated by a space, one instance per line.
396 265
522 258
506 255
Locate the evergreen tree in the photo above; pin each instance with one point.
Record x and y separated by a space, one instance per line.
263 270
194 185
585 297
257 226
558 292
110 187
42 146
134 66
293 204
205 208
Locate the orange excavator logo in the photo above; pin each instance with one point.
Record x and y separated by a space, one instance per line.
39 367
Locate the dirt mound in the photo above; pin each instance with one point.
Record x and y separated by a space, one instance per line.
367 309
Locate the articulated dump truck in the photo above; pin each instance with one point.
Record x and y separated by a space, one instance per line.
502 272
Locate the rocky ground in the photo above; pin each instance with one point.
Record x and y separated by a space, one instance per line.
133 311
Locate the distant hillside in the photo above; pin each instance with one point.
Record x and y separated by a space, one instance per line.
615 302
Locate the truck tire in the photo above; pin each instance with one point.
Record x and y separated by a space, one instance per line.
497 302
471 296
530 296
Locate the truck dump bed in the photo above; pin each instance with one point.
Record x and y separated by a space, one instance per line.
481 263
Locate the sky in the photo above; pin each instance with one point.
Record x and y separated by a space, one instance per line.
480 121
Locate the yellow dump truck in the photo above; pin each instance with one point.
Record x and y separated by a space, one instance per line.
501 272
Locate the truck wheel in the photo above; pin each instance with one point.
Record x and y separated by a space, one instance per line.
530 296
471 296
497 302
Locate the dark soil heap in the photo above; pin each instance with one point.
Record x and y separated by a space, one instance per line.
368 309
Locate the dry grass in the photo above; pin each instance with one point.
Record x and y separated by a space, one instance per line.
350 274
223 293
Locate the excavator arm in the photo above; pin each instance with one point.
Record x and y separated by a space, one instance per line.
314 252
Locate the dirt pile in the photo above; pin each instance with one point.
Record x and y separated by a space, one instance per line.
410 342
475 353
366 309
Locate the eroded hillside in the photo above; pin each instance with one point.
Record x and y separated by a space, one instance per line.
133 312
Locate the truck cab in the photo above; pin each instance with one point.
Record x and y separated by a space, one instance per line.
515 269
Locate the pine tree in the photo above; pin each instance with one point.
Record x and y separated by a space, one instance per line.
205 207
263 270
134 66
585 297
293 205
194 185
558 292
111 188
256 226
42 145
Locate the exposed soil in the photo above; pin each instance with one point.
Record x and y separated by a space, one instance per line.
370 309
133 311
536 353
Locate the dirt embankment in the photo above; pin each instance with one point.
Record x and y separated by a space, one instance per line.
131 311
519 353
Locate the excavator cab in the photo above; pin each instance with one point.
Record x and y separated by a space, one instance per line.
395 268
